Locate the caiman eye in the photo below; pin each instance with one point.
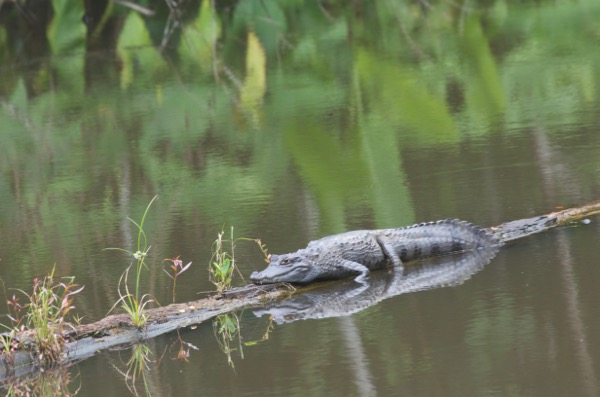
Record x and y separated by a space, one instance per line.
286 261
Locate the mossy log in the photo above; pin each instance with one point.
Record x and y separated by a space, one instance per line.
84 340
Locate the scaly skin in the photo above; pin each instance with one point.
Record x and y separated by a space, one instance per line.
358 252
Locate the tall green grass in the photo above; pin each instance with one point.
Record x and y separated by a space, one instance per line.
134 302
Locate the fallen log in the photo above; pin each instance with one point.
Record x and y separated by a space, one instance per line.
513 230
117 330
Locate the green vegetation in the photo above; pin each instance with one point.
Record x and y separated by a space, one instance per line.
45 313
222 264
134 303
177 268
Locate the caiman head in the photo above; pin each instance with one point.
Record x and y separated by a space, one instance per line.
289 268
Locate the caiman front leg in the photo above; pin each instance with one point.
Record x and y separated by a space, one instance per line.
356 267
388 249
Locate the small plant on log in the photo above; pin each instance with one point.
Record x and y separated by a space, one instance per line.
45 315
222 263
176 268
133 302
7 339
264 250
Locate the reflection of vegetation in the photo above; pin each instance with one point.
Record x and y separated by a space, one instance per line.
226 328
227 331
49 383
265 336
137 368
183 353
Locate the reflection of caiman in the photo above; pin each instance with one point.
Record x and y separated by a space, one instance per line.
345 298
358 252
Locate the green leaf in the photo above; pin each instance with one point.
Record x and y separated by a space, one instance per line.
226 266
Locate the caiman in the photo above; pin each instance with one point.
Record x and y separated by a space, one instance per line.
358 252
346 297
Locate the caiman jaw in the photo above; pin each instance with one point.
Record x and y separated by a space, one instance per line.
277 274
256 278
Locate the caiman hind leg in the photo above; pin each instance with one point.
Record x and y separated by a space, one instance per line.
390 252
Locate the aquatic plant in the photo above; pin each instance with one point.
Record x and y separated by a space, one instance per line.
7 340
177 268
263 249
45 314
222 262
133 303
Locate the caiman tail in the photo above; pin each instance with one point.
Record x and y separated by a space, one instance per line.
430 239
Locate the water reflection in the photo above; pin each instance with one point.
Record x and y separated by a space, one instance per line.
576 323
136 370
61 381
356 352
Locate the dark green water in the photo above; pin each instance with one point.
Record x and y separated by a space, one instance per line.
293 120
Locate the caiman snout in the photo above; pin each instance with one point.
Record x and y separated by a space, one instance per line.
255 276
260 278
